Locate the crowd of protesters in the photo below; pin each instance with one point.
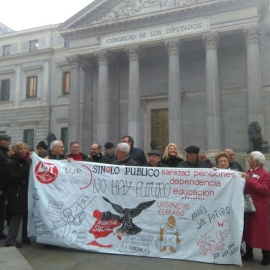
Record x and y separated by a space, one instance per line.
14 174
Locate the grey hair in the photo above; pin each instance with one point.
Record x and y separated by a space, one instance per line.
54 143
124 147
202 152
258 156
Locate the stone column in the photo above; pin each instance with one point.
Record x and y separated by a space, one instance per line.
174 91
87 107
134 106
212 93
103 97
254 85
73 115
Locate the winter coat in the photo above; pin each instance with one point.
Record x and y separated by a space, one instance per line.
126 162
158 165
138 155
197 164
99 158
257 225
18 185
4 161
172 161
83 156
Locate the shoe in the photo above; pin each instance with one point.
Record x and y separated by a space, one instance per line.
265 262
266 257
17 245
26 240
247 257
3 235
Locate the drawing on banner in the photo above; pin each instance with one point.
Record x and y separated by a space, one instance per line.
136 244
36 197
125 217
75 214
63 218
213 240
102 228
169 236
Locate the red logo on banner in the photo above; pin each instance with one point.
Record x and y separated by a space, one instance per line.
46 173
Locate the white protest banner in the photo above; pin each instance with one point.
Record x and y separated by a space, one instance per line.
175 213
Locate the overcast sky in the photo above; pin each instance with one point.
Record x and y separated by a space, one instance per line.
25 14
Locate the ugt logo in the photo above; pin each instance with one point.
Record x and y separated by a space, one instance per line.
46 173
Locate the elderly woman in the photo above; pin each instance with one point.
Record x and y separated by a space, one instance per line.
257 225
222 160
171 156
17 193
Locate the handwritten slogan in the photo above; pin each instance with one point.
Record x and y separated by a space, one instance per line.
185 214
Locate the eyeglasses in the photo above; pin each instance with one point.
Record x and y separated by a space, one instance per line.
93 148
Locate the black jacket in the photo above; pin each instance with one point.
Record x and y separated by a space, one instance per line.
138 155
172 161
197 164
18 170
99 158
4 161
51 156
126 162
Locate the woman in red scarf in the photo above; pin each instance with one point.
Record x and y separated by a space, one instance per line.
18 171
257 225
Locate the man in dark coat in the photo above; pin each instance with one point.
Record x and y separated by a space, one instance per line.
122 154
42 149
56 151
96 155
135 153
192 159
5 141
109 151
233 164
154 159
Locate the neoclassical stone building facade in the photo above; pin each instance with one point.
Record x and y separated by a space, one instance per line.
183 71
189 72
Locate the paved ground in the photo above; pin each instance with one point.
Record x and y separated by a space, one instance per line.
38 257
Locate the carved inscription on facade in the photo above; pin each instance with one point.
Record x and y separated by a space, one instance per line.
156 33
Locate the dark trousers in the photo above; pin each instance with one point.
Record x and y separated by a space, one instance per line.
2 211
14 228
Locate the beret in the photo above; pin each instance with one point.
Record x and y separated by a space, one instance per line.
154 152
5 137
108 145
42 144
192 149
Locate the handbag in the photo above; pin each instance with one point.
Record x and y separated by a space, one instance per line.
249 204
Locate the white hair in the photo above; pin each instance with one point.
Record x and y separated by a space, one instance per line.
124 147
258 156
54 143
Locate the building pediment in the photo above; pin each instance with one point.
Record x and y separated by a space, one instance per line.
103 16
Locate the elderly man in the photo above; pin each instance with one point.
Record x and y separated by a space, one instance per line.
203 157
122 155
56 151
96 155
42 149
109 151
135 153
5 141
233 164
154 159
192 158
